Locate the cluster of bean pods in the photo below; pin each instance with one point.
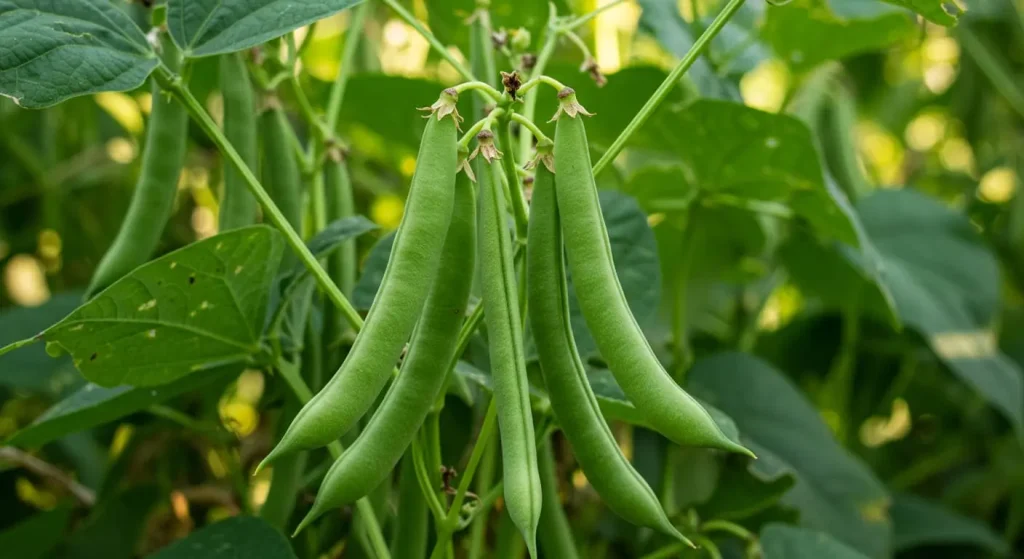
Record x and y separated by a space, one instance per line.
450 227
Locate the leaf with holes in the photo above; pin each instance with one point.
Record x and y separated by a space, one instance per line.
193 309
208 27
57 49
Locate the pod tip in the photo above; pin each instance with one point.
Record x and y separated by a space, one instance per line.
307 520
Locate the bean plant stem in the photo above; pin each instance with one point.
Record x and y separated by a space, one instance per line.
364 507
666 86
585 18
171 82
348 56
729 528
534 129
451 521
530 105
434 43
994 70
483 28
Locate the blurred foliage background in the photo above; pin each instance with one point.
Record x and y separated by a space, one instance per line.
936 109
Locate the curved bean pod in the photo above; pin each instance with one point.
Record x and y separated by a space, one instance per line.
153 200
572 400
373 455
666 406
508 364
554 531
396 308
237 204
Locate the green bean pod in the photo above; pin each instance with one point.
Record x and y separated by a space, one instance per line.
340 204
238 206
396 308
279 167
508 362
838 145
153 200
572 400
665 405
411 525
388 433
554 531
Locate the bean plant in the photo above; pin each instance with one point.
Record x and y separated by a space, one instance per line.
708 278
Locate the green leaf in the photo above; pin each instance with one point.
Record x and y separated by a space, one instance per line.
946 285
94 405
662 188
780 541
661 18
193 309
331 237
739 494
806 33
58 49
918 522
834 492
942 12
209 27
30 368
36 537
115 526
735 154
373 272
240 536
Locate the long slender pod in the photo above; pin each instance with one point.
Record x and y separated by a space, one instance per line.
279 167
342 264
665 405
388 433
153 200
238 206
396 308
508 363
572 400
554 532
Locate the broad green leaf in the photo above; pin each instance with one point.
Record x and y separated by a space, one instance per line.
661 18
739 494
331 237
807 32
36 537
734 151
373 272
234 538
834 491
780 541
918 522
946 285
208 27
58 49
942 12
94 405
195 308
30 368
116 525
662 188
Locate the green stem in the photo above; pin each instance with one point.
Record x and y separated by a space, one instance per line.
482 87
478 528
576 40
184 420
666 86
839 382
348 56
26 342
672 550
729 528
426 485
434 43
482 26
583 19
707 545
541 79
530 105
364 507
171 82
483 123
451 521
